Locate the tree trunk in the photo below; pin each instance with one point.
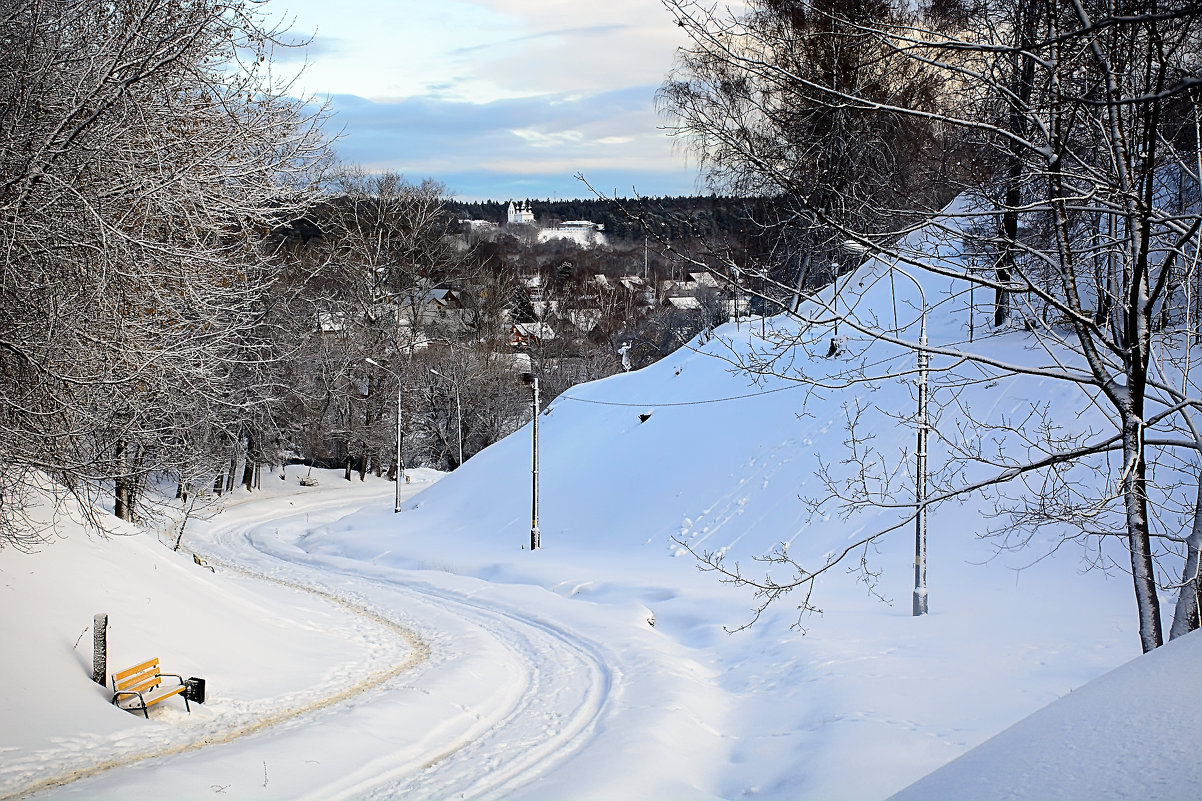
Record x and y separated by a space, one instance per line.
100 647
1029 15
1186 614
135 484
248 472
1135 499
120 484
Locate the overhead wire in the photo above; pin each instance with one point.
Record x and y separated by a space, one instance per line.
681 403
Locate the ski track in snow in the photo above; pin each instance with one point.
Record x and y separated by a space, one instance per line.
497 740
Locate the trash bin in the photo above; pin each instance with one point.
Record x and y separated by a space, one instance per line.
194 690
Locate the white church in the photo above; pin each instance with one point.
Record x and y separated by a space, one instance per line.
520 214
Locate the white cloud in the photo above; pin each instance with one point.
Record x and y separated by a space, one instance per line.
556 139
483 50
540 87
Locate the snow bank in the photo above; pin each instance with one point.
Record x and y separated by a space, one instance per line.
1132 733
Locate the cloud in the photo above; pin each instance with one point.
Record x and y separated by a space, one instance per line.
553 139
309 49
524 142
560 33
520 92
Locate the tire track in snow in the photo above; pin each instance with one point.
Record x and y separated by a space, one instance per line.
565 684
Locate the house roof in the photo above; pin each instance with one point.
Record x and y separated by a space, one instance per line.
534 331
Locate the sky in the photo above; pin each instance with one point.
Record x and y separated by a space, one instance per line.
497 99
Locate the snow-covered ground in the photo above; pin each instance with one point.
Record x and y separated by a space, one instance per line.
586 237
351 652
1132 733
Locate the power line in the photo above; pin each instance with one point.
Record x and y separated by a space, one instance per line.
682 403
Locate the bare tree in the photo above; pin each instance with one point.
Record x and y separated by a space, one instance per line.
145 156
1082 222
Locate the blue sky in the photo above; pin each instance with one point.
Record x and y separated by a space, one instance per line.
495 98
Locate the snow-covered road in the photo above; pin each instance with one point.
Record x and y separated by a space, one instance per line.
486 697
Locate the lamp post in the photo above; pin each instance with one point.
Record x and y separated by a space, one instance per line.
400 470
458 411
532 380
920 456
920 485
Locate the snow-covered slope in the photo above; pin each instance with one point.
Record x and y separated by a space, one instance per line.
599 665
1132 733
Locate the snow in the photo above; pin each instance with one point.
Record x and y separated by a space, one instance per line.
584 236
1094 742
351 652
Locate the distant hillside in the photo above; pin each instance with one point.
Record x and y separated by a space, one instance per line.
716 217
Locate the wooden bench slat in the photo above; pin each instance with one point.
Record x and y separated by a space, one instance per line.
140 684
150 663
164 694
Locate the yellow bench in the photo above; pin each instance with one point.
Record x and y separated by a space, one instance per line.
144 683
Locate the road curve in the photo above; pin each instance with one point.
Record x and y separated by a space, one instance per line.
505 733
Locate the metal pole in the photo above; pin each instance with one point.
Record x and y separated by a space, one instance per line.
835 293
459 421
920 485
534 534
400 471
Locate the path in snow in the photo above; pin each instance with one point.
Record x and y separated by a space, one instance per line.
491 698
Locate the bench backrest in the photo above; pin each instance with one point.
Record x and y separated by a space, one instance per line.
138 678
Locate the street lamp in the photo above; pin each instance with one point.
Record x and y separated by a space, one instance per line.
920 486
400 469
458 410
920 458
532 380
835 294
920 606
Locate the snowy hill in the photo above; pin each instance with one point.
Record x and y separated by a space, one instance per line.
1132 733
598 666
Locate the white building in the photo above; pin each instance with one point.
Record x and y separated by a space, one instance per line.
520 214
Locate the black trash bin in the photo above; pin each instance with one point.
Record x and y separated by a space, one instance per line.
195 690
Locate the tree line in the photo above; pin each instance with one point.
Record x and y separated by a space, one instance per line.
673 217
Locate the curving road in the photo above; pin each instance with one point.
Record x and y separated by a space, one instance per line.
483 700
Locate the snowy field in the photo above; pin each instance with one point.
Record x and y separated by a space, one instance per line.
585 237
355 653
